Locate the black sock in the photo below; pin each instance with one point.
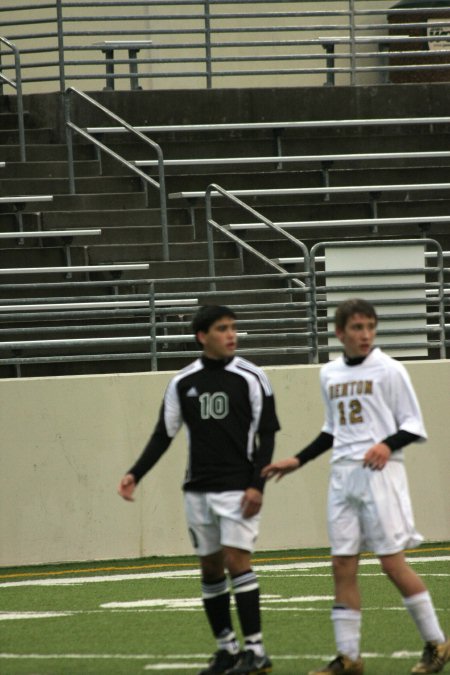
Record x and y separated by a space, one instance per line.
246 593
216 601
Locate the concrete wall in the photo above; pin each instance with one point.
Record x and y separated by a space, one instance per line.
67 441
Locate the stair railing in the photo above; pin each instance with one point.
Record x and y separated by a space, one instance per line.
17 85
213 191
147 180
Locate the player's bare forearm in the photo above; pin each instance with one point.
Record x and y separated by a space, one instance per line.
280 468
251 502
377 456
126 487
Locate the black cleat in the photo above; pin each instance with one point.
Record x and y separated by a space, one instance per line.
220 663
250 664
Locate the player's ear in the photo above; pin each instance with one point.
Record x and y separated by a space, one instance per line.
339 333
200 337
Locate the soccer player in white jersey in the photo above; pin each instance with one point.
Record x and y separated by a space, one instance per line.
371 413
227 405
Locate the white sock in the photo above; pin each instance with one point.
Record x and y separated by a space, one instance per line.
254 642
228 642
347 630
420 607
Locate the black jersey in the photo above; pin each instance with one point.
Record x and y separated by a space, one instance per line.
226 406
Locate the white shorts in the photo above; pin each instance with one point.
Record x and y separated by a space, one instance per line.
370 510
215 519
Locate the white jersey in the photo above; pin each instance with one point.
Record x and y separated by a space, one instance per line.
366 403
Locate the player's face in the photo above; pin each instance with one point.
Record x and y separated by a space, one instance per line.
220 341
358 335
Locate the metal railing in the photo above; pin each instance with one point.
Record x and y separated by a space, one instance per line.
206 43
147 180
276 320
16 84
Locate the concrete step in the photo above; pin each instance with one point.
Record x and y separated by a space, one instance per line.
141 234
32 136
105 219
47 151
52 253
102 253
204 145
244 180
92 184
110 219
178 269
49 169
81 202
9 120
123 236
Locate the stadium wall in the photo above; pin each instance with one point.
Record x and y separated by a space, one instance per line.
68 440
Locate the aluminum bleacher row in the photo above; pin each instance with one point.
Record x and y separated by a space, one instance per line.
95 317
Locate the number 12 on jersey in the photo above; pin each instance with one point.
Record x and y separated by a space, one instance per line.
350 412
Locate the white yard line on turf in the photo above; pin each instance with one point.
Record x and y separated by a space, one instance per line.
186 657
183 574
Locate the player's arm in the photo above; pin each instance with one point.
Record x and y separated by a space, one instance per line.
267 428
154 449
253 496
319 445
377 456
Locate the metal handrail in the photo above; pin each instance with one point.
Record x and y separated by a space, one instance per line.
211 224
214 188
148 180
17 85
259 328
201 43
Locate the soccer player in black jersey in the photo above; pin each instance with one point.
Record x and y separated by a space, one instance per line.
228 407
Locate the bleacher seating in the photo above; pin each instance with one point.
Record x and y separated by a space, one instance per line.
351 178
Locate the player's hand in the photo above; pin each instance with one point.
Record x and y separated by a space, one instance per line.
281 468
377 456
126 487
251 502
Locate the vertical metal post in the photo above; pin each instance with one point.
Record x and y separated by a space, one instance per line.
60 25
109 59
154 356
440 263
208 45
23 156
1 81
163 205
352 42
329 48
314 357
134 78
210 239
69 143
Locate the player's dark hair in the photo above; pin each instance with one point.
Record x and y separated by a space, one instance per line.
209 314
353 306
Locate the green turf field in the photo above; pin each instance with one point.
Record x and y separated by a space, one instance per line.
145 616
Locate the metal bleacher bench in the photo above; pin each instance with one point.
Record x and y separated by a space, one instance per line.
43 234
275 126
341 189
133 47
352 222
18 202
102 304
280 159
75 268
66 237
25 199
